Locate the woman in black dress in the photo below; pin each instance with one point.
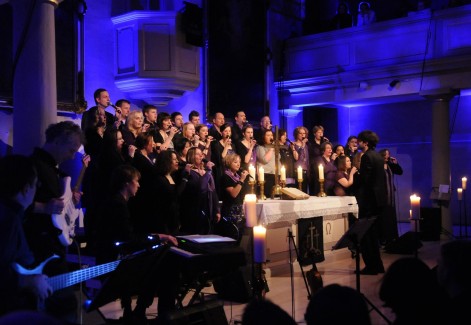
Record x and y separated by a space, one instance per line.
205 140
234 188
199 208
219 151
182 145
165 134
287 157
168 192
245 148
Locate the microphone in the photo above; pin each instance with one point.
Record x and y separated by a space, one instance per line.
118 110
288 140
239 172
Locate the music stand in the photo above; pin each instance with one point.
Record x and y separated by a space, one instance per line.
130 277
353 237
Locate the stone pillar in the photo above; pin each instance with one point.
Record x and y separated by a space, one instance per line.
441 147
34 84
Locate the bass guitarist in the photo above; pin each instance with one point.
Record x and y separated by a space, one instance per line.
18 181
63 140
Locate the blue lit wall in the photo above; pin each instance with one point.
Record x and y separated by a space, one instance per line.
100 61
405 129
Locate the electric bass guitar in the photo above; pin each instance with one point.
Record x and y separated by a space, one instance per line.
65 221
65 280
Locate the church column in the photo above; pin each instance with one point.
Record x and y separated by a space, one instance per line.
441 147
34 84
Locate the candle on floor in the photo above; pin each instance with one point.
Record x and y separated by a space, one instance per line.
460 193
250 209
415 206
259 244
283 173
464 180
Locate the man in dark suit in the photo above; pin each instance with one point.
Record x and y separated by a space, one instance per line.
371 199
102 101
214 130
240 120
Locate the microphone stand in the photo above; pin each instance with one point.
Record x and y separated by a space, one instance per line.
276 190
292 242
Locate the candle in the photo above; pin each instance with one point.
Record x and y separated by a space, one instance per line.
415 207
460 193
321 172
410 214
250 210
300 173
259 245
283 173
261 174
463 183
252 172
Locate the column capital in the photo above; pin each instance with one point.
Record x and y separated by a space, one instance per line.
440 94
55 3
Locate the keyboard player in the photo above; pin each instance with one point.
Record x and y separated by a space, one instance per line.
115 226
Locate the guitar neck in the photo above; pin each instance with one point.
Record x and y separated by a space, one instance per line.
68 279
80 178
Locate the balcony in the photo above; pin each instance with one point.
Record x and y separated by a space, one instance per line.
152 61
389 61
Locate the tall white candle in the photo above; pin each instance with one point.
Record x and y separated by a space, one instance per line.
283 173
460 193
261 174
415 207
464 180
300 173
259 244
321 172
250 209
252 172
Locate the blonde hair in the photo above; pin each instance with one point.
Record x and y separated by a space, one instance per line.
230 158
185 128
131 116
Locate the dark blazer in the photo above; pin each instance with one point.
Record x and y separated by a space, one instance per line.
214 133
142 208
372 188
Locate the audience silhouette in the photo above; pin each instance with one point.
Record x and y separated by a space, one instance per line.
337 305
410 288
